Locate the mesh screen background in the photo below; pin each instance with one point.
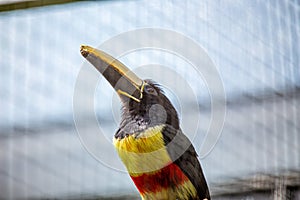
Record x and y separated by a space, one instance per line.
254 44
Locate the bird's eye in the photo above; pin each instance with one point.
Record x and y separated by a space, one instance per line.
150 90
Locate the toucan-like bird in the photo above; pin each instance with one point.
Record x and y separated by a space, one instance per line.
159 158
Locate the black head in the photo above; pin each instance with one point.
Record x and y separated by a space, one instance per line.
153 109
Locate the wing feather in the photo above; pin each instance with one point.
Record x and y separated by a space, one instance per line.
183 154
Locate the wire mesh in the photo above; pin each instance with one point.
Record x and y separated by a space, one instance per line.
254 44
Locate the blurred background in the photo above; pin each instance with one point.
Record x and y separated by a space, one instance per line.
253 43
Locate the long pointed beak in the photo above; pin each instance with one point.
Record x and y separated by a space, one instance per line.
124 81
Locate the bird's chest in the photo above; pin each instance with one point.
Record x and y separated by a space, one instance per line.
151 168
143 152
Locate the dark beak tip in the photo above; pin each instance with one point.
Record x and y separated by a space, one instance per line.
83 50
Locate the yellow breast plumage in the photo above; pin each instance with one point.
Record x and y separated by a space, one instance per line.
143 152
151 168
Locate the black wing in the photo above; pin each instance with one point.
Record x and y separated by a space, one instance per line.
184 156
